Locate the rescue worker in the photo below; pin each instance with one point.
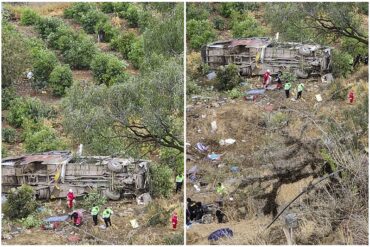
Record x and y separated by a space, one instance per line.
94 213
107 213
300 90
287 87
70 199
266 77
279 85
179 182
220 216
77 217
199 212
174 220
220 189
191 207
351 96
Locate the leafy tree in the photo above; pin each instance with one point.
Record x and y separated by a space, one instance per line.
91 19
15 55
161 183
20 202
227 77
200 33
46 26
44 61
79 52
136 53
78 10
39 137
146 110
107 7
341 63
165 35
123 43
28 108
197 11
9 135
245 26
29 17
106 68
7 95
60 79
313 21
93 198
62 38
132 15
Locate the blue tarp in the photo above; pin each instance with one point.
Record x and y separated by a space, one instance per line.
57 218
255 91
220 233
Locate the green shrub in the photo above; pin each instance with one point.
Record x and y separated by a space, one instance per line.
158 215
227 77
219 23
120 8
161 180
106 67
4 151
245 26
7 95
48 25
123 43
342 63
20 203
31 221
60 79
93 198
44 62
136 54
173 159
174 239
109 31
28 108
288 77
77 10
41 138
80 52
9 135
107 7
226 9
192 88
200 33
234 93
132 15
61 38
29 17
91 19
196 11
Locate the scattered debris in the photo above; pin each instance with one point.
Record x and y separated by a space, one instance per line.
144 199
318 97
213 126
220 233
201 147
234 169
74 238
214 156
134 223
228 141
327 78
211 75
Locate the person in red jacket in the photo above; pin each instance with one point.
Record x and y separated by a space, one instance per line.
351 96
266 78
77 217
174 221
70 198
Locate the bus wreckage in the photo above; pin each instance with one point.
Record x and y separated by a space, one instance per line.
52 174
254 56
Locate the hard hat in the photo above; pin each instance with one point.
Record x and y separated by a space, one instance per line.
268 71
70 190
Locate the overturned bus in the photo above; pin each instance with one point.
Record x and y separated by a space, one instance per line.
52 174
254 56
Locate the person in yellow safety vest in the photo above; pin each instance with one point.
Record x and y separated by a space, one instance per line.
287 87
300 90
179 182
94 213
220 189
106 216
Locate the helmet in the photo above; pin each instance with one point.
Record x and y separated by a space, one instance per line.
70 190
268 71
